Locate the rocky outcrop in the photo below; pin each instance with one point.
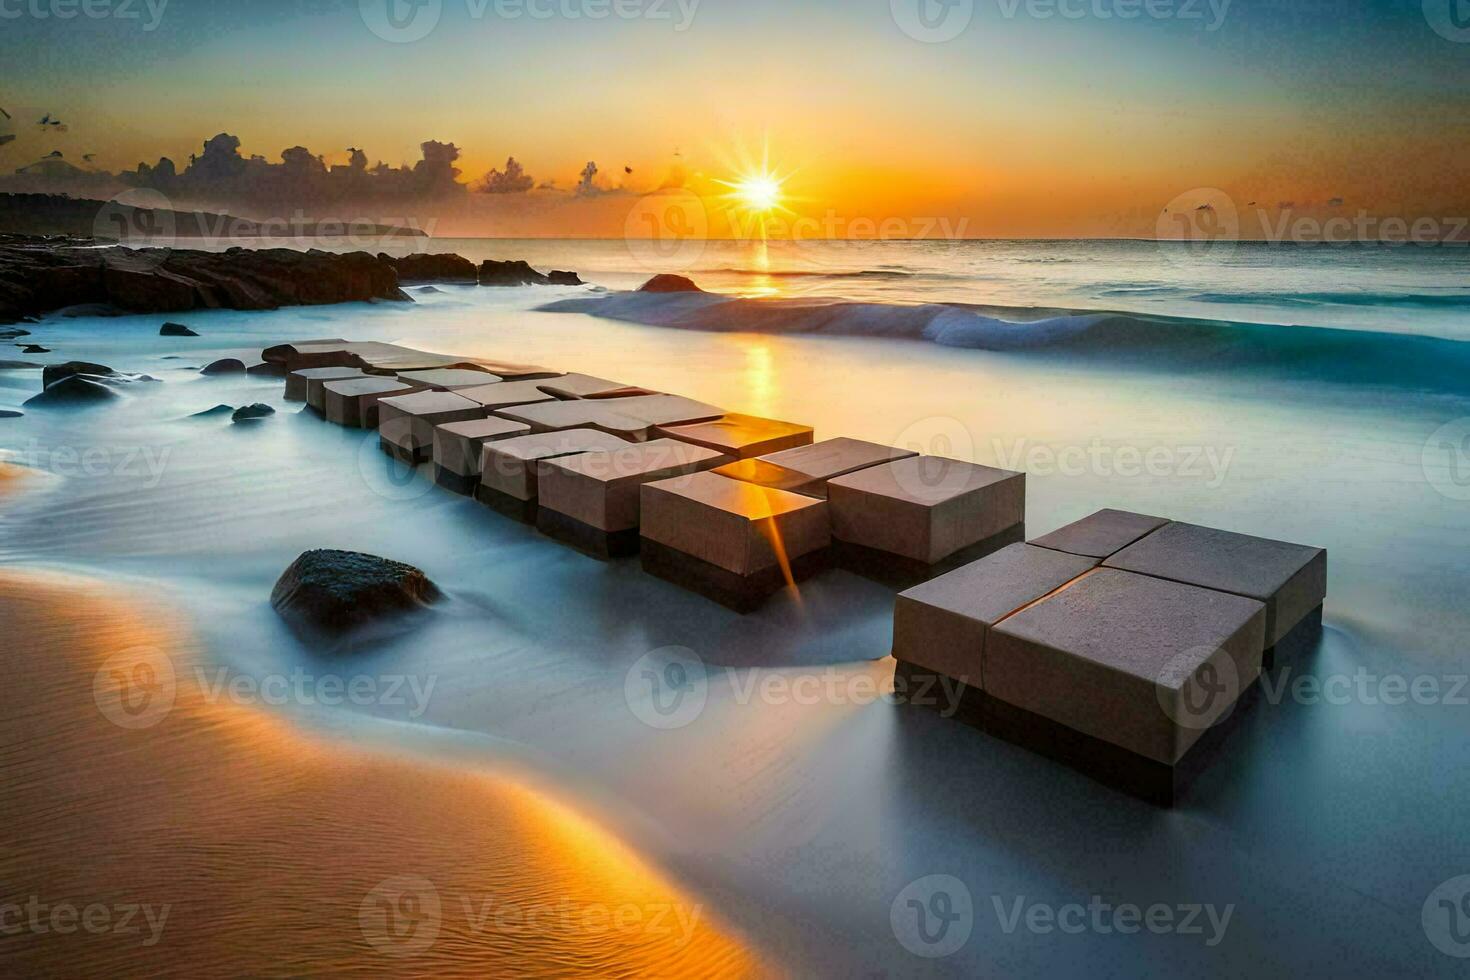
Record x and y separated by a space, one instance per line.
37 278
435 267
175 330
518 273
338 590
669 283
53 373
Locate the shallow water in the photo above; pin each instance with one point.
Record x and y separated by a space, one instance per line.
795 802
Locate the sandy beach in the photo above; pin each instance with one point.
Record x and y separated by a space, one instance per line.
149 831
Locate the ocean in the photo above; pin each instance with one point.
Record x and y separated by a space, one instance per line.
1312 394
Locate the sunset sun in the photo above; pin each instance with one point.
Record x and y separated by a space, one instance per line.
758 192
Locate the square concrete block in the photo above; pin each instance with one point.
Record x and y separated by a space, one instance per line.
448 379
734 542
941 625
1291 579
508 466
806 469
298 383
591 500
373 357
742 436
925 508
1100 535
458 448
506 394
570 386
1139 663
633 418
353 402
406 422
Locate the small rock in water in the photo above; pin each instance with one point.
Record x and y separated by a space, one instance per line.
339 590
225 365
34 349
428 289
10 333
10 413
252 412
175 330
75 389
55 372
215 412
669 283
18 365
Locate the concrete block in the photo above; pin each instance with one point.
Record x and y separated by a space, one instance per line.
734 542
1102 534
926 508
806 469
633 418
406 422
1139 663
298 383
353 402
741 436
508 466
941 625
591 500
1290 579
448 379
506 394
458 448
570 386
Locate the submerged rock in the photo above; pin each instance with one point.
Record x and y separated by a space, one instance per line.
667 282
77 389
175 330
338 590
252 412
225 365
19 366
53 373
216 412
35 349
10 413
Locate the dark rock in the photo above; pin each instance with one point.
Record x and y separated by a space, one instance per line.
669 283
38 278
425 267
216 412
34 349
339 590
77 389
10 333
225 365
252 412
267 369
519 273
18 365
428 289
175 330
10 413
53 373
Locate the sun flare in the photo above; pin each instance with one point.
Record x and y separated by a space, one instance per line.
759 192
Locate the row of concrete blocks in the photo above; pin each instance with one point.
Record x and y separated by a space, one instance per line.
731 506
1124 645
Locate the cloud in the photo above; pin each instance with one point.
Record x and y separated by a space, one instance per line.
512 180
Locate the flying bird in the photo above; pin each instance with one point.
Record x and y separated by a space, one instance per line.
627 170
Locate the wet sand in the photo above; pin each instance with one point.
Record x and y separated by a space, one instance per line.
147 829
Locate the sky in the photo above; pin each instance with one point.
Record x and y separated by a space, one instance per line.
987 118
